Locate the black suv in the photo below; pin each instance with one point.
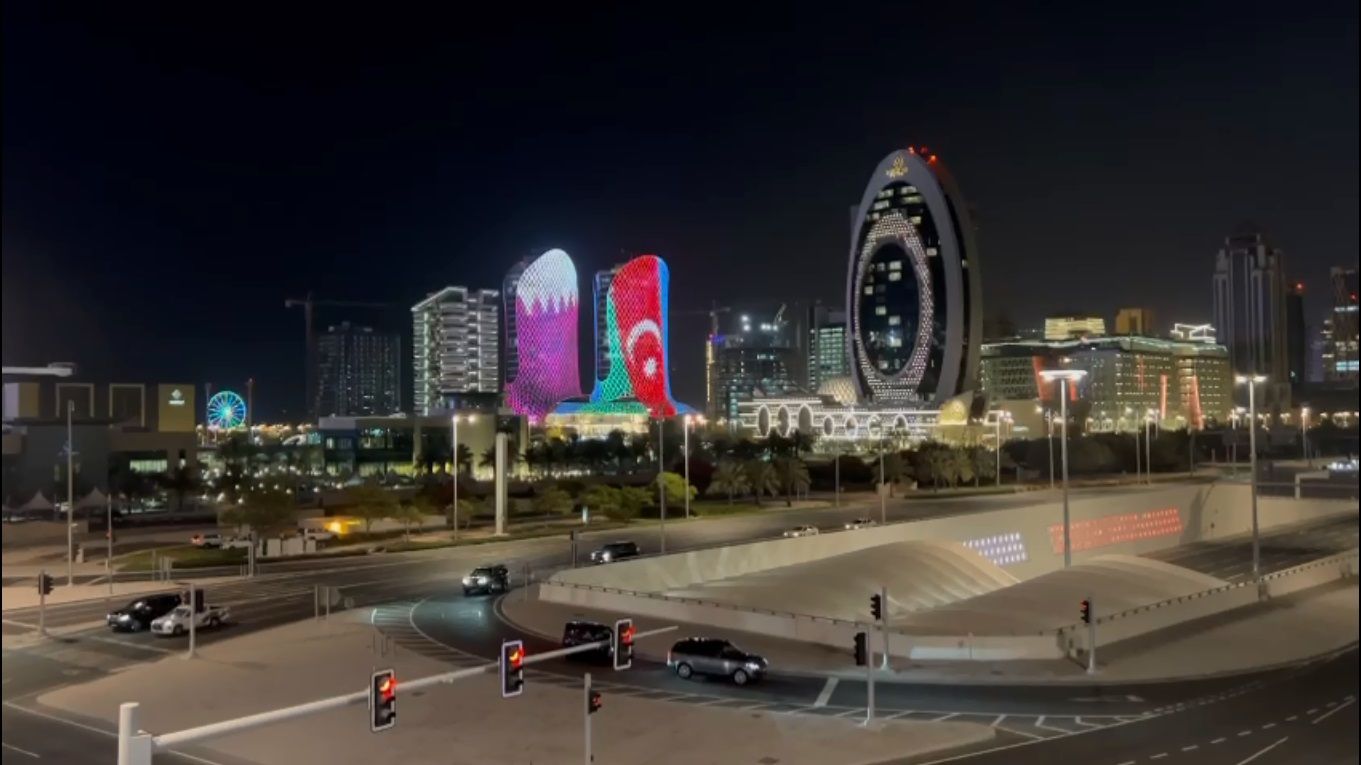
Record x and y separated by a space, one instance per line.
714 656
137 615
487 579
615 551
581 632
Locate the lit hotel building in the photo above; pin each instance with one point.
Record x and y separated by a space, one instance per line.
455 348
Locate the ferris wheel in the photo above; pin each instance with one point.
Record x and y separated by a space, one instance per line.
226 410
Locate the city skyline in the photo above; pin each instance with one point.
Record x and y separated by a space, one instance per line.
255 216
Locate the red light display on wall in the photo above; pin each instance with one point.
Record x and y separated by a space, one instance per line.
1115 529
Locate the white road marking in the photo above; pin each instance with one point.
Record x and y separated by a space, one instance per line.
1268 726
1040 724
826 694
849 712
1219 740
1330 712
54 718
1084 723
1190 748
1292 718
1242 733
999 719
1262 751
945 717
13 623
1028 735
897 715
14 748
1157 756
1311 711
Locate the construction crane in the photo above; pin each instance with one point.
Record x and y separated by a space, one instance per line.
308 306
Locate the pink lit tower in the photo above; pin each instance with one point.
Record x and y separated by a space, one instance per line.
541 334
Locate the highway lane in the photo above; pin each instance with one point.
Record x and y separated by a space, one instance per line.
1230 559
1305 715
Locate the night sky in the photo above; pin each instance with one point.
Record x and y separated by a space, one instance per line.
170 177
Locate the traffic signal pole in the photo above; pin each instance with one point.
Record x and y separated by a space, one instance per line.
883 622
869 687
42 603
586 712
1091 636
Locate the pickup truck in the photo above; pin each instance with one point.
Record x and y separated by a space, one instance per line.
177 621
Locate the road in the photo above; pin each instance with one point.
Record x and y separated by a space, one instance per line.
421 590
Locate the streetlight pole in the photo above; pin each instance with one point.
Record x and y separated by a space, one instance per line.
836 472
661 476
1064 376
1304 436
997 450
1251 381
70 497
453 461
1138 455
1049 420
883 480
1148 446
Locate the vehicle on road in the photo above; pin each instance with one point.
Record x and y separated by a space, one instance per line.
140 613
716 657
801 531
208 541
485 580
580 632
177 621
317 535
861 523
615 551
236 543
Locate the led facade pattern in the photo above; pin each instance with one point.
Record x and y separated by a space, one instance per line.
1003 549
636 326
1115 529
226 410
542 336
913 286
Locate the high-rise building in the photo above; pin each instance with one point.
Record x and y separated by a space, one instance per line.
1134 321
1250 312
358 372
541 335
1071 326
913 292
1296 335
752 358
601 293
1340 357
827 356
455 347
637 322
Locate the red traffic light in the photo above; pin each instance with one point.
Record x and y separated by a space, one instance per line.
516 657
627 637
388 687
594 702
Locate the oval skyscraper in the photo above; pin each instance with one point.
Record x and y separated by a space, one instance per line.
913 291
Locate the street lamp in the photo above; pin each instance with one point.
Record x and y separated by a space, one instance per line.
1065 377
1049 425
1148 442
1138 471
661 476
1251 381
688 421
1304 435
998 416
453 458
70 497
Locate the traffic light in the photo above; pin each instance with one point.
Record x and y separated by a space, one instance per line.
44 584
512 668
383 700
877 607
862 649
1086 612
593 702
623 644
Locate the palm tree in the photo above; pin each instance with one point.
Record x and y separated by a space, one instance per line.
464 461
761 478
180 481
802 442
730 479
793 477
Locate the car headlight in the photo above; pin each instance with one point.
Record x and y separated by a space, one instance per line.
753 665
482 580
467 580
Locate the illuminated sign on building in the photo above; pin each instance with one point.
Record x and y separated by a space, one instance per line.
1115 529
543 301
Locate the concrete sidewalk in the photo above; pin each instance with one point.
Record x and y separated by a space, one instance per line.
1317 622
464 722
26 595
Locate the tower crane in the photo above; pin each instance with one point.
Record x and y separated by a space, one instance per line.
308 305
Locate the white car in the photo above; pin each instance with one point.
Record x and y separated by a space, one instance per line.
319 535
177 621
802 531
237 543
209 541
861 523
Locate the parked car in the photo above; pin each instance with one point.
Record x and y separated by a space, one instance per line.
318 535
139 614
206 541
487 579
581 632
177 621
236 543
861 523
802 531
715 656
615 551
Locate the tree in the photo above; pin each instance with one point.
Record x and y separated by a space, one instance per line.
407 513
602 499
553 501
233 515
892 470
761 478
984 463
961 466
369 503
268 511
792 474
468 507
675 487
632 500
464 461
730 479
183 479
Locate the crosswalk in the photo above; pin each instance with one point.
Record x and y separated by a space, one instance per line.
394 621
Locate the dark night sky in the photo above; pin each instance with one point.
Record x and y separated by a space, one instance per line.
170 178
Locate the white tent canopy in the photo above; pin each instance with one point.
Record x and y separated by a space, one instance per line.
95 498
39 502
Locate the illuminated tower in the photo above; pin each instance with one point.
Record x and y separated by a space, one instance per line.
541 334
914 296
636 330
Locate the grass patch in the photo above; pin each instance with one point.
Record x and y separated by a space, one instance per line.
536 531
716 509
186 556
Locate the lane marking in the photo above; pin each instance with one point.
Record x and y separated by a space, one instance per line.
14 748
999 719
1157 756
13 623
849 712
826 694
1190 748
1311 711
1242 733
1084 723
1029 735
946 717
1330 712
1268 726
896 715
1219 740
1292 718
1263 751
54 718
